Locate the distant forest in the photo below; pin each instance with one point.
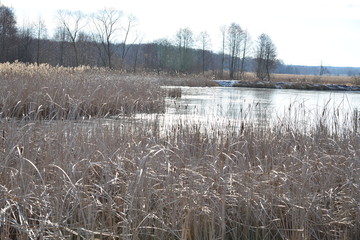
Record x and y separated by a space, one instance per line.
113 42
317 70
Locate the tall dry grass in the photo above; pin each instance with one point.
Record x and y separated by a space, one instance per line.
312 79
324 79
45 92
132 180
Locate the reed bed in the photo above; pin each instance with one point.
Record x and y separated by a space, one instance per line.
67 172
133 180
44 92
324 79
312 79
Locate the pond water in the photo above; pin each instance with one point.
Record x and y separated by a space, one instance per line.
219 105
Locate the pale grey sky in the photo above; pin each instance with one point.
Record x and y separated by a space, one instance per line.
306 32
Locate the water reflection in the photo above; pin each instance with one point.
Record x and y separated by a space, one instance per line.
258 106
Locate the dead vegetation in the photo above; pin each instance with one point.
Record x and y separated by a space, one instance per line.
312 79
44 92
71 180
131 179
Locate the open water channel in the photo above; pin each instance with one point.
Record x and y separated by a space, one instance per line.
230 106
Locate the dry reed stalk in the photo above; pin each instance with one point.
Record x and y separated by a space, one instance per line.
43 92
131 179
124 180
346 80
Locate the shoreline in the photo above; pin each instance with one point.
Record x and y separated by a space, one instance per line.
287 85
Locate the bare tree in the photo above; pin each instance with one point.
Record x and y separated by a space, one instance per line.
106 24
136 55
184 42
205 44
235 37
323 70
26 36
41 33
87 46
73 23
223 35
162 57
131 23
265 57
244 53
60 36
7 34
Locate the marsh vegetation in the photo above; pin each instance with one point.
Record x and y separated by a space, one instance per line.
69 171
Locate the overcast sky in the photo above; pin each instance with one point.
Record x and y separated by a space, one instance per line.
305 32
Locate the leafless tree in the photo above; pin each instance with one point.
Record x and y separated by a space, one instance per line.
131 24
184 42
7 34
185 38
26 36
60 37
244 52
265 57
235 37
73 23
106 25
41 33
223 35
136 55
88 50
323 69
205 44
162 57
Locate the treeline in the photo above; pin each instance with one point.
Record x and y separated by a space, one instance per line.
108 38
317 70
